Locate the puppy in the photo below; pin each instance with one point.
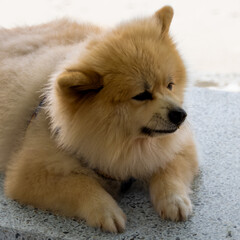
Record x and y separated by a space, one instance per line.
81 106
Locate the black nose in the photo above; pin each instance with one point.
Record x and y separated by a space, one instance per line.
177 116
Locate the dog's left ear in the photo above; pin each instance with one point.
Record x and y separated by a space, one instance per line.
165 15
79 83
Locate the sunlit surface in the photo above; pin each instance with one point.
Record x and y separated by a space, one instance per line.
207 32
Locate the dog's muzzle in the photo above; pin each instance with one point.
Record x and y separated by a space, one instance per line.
159 125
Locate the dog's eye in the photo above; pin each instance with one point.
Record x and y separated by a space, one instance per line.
143 96
170 86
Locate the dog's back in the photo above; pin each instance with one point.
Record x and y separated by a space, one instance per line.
28 56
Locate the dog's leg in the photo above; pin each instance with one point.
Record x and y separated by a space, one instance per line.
62 186
170 187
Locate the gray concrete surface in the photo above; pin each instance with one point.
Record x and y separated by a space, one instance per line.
215 116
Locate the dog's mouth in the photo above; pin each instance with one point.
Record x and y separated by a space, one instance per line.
175 118
151 132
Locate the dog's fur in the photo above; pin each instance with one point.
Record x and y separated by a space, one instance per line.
91 120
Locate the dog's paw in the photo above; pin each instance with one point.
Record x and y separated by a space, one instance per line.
175 207
107 216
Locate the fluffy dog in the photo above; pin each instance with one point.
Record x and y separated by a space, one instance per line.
110 110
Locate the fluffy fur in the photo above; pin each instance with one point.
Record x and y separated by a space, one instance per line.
93 119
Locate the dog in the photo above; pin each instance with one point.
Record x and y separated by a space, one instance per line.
82 107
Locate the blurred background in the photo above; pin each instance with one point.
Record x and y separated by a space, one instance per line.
207 32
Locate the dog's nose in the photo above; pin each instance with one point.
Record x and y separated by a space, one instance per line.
177 116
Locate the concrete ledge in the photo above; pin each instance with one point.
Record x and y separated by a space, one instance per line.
215 116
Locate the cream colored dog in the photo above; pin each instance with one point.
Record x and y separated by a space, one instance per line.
110 106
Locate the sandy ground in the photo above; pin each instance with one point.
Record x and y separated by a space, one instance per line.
207 32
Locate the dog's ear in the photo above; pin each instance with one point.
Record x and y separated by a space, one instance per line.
165 15
77 82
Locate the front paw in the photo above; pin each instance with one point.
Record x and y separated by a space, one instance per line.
176 207
108 216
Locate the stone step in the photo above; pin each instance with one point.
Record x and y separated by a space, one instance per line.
215 116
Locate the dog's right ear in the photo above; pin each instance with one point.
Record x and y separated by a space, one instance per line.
77 82
165 15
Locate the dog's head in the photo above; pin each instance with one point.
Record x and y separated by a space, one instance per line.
127 84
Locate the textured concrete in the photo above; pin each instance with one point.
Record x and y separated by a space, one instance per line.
215 116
